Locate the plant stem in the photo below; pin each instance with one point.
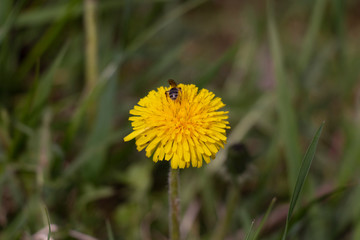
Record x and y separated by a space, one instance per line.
91 57
174 203
91 70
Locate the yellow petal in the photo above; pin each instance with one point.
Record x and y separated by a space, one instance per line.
180 151
218 135
144 139
175 162
199 157
191 141
151 147
209 139
168 146
206 150
134 134
156 155
136 112
168 156
182 164
161 153
199 149
193 157
211 147
199 163
207 159
174 147
179 136
187 156
185 144
141 147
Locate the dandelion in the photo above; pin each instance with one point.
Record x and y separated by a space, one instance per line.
185 128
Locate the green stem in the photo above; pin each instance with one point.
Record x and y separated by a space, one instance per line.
91 57
174 203
91 69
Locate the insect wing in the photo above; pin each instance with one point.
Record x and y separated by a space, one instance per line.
172 83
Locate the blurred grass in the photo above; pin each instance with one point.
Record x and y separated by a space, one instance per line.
288 124
44 42
281 71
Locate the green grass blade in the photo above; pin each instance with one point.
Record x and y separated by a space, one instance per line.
159 68
85 156
318 200
8 17
310 37
45 42
13 229
49 222
263 221
304 170
102 127
162 23
247 237
288 125
340 15
37 98
109 230
215 67
43 88
42 15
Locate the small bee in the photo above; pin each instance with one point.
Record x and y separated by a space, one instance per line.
173 93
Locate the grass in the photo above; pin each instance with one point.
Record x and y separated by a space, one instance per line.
281 69
301 177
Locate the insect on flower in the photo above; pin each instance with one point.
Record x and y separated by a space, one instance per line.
173 93
185 132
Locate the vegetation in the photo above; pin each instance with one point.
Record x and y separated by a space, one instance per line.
70 71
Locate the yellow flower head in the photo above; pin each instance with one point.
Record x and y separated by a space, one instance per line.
187 129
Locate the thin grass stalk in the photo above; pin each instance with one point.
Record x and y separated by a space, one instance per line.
44 153
264 219
48 222
249 233
91 69
311 34
91 63
174 203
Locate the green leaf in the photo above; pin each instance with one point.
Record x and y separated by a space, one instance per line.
304 170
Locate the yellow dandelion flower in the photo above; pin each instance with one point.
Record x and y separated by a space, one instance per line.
182 125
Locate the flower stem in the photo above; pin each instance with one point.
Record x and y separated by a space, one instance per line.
91 55
91 70
174 203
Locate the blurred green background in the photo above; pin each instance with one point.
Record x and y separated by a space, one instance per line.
70 71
